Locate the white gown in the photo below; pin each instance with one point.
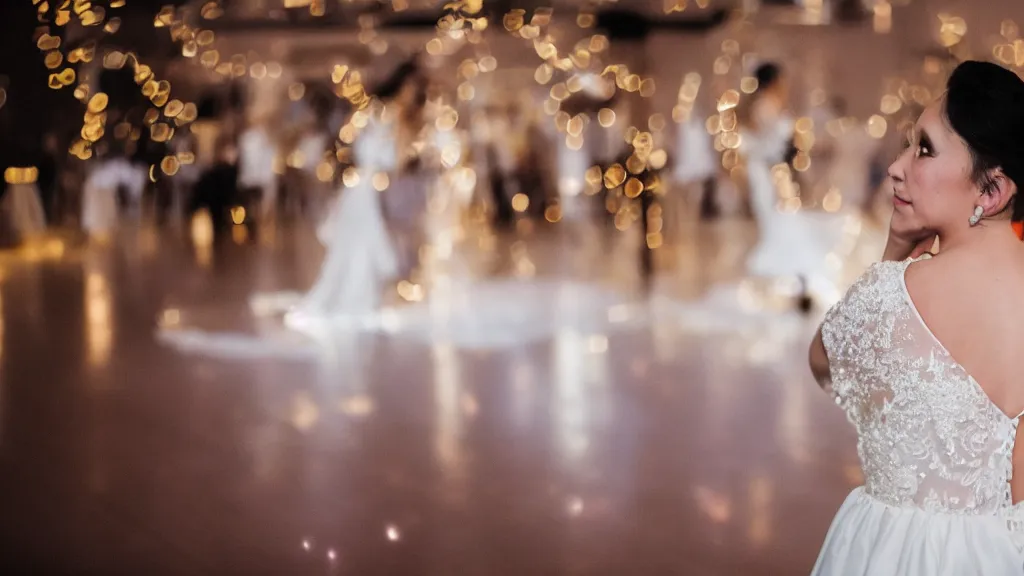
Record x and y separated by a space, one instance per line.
24 209
100 212
936 452
360 257
790 244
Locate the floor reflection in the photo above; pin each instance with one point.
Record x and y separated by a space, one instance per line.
605 446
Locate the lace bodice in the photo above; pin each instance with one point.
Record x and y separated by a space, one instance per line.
928 435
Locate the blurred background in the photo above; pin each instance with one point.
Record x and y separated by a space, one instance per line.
614 227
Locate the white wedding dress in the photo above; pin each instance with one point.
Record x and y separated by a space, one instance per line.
100 211
936 452
791 244
346 297
360 257
24 209
808 244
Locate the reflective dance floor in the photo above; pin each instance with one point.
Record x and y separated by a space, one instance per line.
655 448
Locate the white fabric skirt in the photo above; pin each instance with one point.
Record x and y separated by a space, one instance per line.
99 209
25 209
360 260
871 538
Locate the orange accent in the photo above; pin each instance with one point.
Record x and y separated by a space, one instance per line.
1018 228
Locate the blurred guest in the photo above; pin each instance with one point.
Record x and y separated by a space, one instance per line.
850 150
696 166
110 180
792 243
183 145
257 153
49 172
217 190
308 191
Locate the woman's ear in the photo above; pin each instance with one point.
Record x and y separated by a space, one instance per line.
997 193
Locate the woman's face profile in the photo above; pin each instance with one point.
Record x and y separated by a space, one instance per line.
931 178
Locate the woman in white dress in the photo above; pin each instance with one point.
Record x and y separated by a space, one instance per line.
923 352
360 256
100 210
792 244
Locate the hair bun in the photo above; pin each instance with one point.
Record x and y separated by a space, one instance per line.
984 105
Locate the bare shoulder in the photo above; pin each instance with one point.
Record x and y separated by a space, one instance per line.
964 302
954 277
939 277
940 290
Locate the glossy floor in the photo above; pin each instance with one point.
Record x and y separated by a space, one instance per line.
653 450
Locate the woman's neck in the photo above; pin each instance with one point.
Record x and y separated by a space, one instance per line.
989 235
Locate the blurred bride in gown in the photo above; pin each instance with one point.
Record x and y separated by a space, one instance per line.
792 244
360 262
361 257
793 247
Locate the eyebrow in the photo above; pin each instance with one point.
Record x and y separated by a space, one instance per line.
909 133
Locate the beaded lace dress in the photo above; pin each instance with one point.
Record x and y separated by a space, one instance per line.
936 452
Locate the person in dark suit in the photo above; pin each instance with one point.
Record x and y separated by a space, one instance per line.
217 190
49 172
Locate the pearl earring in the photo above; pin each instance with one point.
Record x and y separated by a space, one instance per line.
976 217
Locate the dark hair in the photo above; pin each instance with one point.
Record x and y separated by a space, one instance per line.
984 105
408 71
767 75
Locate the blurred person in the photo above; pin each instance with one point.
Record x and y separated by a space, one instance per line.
449 188
308 191
696 165
184 182
851 151
217 190
501 162
404 97
257 153
791 245
361 255
110 182
49 177
921 352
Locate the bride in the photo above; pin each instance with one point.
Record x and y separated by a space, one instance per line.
791 244
361 257
923 352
